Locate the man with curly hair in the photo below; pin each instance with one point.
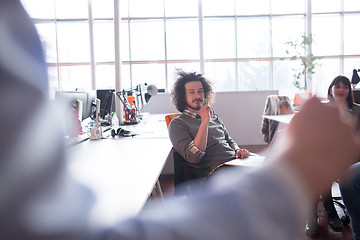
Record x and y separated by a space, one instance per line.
198 134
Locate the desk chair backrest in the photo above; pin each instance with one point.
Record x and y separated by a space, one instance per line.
275 105
182 171
170 117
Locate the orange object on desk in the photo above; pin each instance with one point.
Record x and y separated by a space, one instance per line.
301 97
131 100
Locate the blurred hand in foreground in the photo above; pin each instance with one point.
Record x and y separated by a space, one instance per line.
318 144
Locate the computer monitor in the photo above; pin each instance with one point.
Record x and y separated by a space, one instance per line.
107 99
87 99
356 93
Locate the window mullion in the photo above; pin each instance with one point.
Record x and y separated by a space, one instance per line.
57 48
342 53
165 49
118 79
236 50
201 37
308 27
91 39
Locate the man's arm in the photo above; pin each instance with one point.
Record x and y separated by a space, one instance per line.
200 139
191 148
181 133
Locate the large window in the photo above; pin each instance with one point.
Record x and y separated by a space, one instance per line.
238 44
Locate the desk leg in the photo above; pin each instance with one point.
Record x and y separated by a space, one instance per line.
157 192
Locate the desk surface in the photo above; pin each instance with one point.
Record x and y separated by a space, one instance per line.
285 118
121 171
151 126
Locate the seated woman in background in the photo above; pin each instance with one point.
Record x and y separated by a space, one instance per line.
341 94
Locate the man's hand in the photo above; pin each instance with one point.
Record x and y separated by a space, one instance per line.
205 113
200 139
318 145
242 153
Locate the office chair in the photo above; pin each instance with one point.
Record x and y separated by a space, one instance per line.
275 105
344 216
183 172
170 117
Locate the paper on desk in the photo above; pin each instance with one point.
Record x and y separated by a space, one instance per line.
254 160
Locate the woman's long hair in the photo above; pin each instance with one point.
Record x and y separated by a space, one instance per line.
344 80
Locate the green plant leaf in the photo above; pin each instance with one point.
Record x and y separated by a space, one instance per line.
297 50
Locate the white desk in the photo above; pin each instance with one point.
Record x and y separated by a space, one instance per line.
285 118
121 171
152 126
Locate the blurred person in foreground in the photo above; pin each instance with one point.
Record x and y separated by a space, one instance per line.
39 200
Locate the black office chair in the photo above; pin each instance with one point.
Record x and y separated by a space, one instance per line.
184 174
185 179
344 217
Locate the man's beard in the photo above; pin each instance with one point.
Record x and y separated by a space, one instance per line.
198 106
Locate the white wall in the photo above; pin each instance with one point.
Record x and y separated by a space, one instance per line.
240 111
160 103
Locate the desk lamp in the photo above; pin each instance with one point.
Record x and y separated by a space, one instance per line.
130 116
151 91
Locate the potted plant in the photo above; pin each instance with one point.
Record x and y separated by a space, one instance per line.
300 49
